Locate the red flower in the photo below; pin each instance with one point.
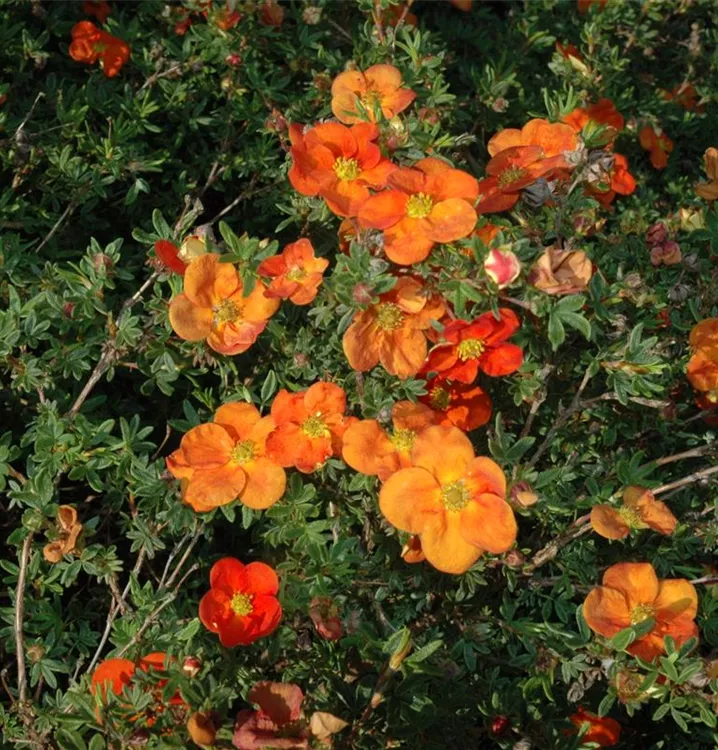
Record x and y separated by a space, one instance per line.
459 404
100 9
90 44
242 604
622 182
602 730
477 345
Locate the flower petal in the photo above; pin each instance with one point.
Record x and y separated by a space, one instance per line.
207 446
488 522
451 220
501 360
237 419
188 321
606 611
607 522
214 487
408 497
383 209
677 597
266 482
207 281
444 545
445 452
636 581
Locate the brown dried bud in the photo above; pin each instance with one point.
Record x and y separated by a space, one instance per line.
312 15
657 234
362 294
522 495
35 652
234 60
68 308
102 262
500 104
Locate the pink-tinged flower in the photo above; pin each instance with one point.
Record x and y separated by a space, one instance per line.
502 267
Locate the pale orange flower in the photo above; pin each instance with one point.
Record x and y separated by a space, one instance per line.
68 530
704 337
702 374
558 272
429 204
554 138
370 450
631 593
640 510
657 143
453 500
213 307
709 190
227 460
603 112
393 331
296 273
378 86
309 426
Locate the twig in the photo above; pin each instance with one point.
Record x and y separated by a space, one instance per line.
518 302
613 396
703 450
184 557
110 352
71 206
171 556
579 527
377 21
407 7
696 476
705 579
3 679
561 421
27 117
19 615
248 193
543 373
156 76
342 31
119 601
153 616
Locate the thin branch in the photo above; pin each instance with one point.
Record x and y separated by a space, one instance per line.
19 615
342 31
653 403
705 579
579 527
703 450
377 21
561 421
518 302
248 193
402 17
71 206
156 76
184 557
27 117
696 476
119 601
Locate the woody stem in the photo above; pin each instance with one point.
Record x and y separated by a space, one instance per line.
19 615
696 476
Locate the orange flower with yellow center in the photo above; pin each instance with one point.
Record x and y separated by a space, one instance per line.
225 460
393 330
309 426
640 510
631 593
213 307
454 501
296 273
429 204
459 404
370 450
378 86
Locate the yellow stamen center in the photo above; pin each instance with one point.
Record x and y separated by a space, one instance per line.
642 612
471 349
243 451
403 440
226 312
315 427
242 604
389 316
510 175
440 398
630 517
419 206
455 495
712 397
296 274
346 169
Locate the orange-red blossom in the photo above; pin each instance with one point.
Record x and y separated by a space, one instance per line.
370 450
454 501
393 331
226 460
178 258
214 307
296 273
338 163
459 404
622 182
90 44
602 730
709 190
603 112
631 594
428 204
309 426
379 85
640 510
657 143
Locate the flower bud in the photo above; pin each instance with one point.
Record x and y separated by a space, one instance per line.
401 651
656 234
202 727
502 267
233 59
522 495
691 219
362 294
499 724
102 262
67 309
312 15
500 104
191 666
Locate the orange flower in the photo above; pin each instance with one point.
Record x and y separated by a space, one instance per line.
451 499
226 460
178 258
226 18
100 9
555 138
241 605
702 373
377 87
631 593
657 143
338 163
309 426
68 530
296 273
412 552
585 5
271 13
368 449
202 727
118 674
622 182
477 345
704 337
463 5
640 510
709 190
431 203
601 730
558 272
392 331
568 50
459 404
684 94
603 112
213 307
90 44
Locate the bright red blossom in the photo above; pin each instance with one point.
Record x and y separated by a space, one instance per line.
477 345
657 143
242 604
296 273
603 731
100 9
90 45
429 204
